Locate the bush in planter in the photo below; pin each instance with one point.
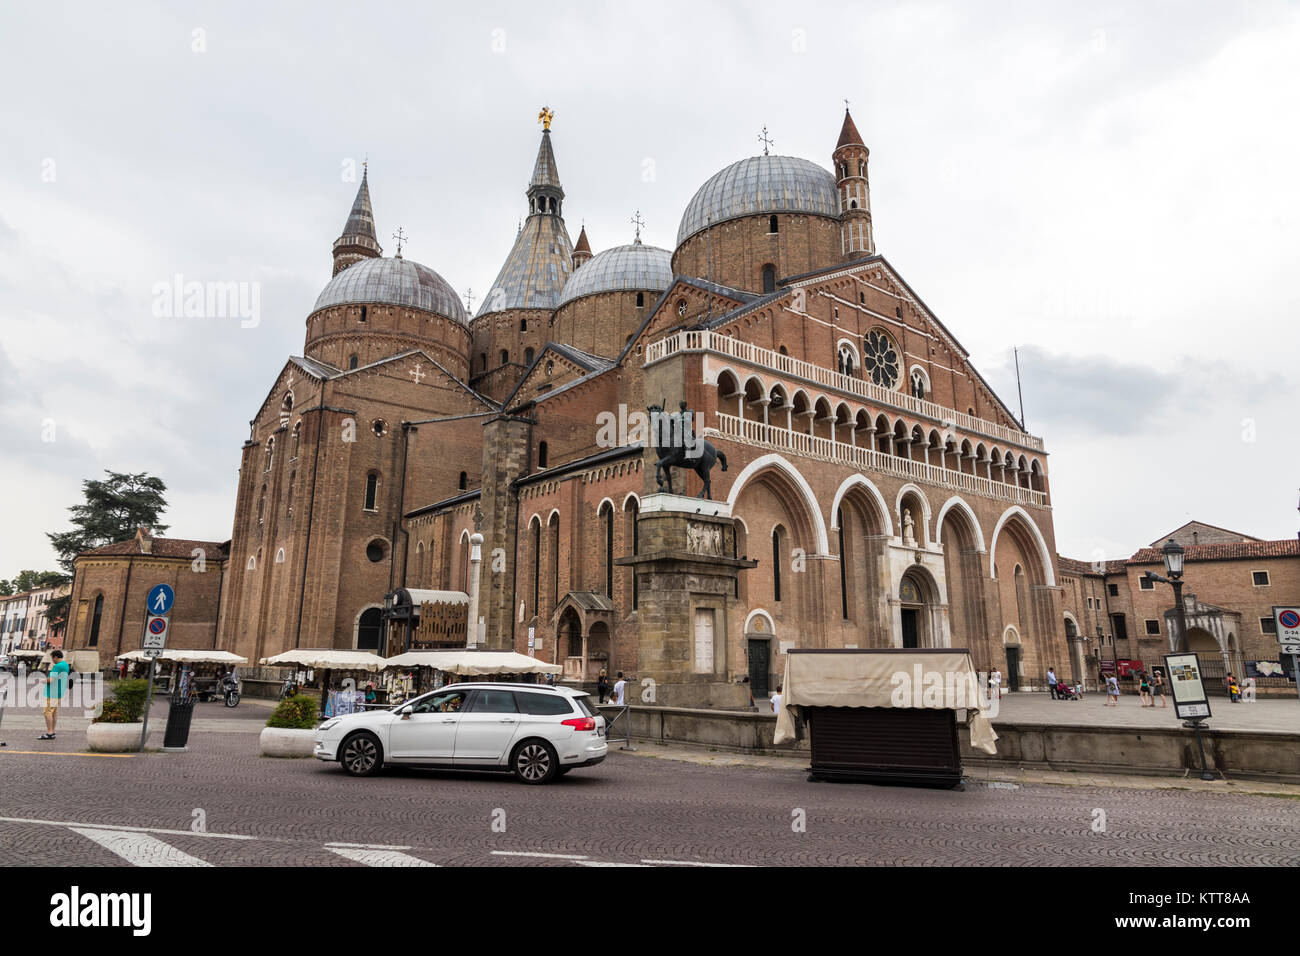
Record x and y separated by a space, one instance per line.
295 713
126 706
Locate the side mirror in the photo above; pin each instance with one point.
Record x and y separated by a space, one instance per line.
407 711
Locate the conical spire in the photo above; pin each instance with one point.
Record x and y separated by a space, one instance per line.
361 221
583 245
358 239
545 172
849 135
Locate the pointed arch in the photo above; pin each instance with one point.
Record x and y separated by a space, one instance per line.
1018 514
957 502
780 465
861 481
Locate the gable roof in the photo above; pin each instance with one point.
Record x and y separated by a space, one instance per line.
1159 542
591 364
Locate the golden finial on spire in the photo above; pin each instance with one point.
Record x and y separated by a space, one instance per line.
545 117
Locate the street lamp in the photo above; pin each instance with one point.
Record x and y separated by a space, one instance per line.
1173 554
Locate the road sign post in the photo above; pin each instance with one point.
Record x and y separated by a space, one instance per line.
1287 625
158 608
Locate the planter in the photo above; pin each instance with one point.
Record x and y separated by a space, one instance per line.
286 742
113 738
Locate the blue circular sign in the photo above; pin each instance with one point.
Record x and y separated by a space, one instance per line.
161 598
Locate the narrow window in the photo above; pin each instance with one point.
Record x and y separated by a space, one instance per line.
372 490
464 481
635 509
363 313
528 356
776 564
640 300
505 357
537 566
771 224
844 578
542 456
482 358
523 325
609 550
769 278
352 362
94 621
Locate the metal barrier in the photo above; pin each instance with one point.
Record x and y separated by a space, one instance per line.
624 712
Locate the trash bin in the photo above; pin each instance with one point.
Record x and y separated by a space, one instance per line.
179 716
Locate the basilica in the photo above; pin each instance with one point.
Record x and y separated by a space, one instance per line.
877 492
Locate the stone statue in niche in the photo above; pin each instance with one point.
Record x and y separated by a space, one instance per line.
909 528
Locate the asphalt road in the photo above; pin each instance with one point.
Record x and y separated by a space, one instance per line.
77 809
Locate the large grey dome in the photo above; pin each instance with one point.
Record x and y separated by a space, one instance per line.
623 268
393 281
759 185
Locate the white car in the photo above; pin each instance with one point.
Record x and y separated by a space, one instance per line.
535 731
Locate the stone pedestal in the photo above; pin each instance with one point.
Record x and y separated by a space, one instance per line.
686 577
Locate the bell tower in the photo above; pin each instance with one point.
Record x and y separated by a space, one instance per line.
850 162
358 240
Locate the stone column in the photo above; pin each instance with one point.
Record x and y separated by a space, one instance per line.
474 633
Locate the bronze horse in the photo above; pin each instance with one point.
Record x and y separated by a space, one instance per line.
683 450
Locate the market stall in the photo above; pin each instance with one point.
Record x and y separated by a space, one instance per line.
884 716
206 685
429 670
341 700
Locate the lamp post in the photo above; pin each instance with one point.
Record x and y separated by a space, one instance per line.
1173 554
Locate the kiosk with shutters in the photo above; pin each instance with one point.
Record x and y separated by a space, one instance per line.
884 716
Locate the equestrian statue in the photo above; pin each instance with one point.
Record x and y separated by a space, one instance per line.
672 436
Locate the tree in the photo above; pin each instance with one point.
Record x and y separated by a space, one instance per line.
113 510
6 588
31 580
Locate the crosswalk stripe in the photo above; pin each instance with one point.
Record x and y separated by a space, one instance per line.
140 849
542 856
378 857
689 863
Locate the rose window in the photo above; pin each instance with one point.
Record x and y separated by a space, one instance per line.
880 359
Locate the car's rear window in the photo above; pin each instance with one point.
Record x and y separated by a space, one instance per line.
584 705
542 704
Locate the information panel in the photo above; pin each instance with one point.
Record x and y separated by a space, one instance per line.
1185 683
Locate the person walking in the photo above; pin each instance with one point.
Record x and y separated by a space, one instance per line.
1158 687
620 687
1112 691
56 685
602 685
1051 682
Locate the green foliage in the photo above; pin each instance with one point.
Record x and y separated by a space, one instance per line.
113 713
6 587
113 510
126 706
296 713
29 580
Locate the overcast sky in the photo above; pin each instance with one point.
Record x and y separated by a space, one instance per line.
1112 187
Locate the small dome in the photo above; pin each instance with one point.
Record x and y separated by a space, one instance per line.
760 185
623 268
392 282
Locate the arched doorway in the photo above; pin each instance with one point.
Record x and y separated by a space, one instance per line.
758 651
912 599
1011 644
369 626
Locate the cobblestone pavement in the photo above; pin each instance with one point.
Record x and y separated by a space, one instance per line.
1038 708
77 809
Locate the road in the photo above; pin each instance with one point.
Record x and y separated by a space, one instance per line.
64 808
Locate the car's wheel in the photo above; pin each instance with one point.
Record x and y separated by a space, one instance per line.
361 755
534 761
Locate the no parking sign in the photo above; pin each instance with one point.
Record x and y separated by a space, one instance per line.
1288 628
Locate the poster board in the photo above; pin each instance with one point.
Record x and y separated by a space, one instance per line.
1187 686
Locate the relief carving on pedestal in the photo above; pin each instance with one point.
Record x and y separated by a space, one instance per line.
704 539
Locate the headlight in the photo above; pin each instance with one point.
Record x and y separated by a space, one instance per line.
328 724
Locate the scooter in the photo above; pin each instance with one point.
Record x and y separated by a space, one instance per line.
230 691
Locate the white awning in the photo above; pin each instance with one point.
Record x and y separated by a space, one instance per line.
326 658
474 663
187 657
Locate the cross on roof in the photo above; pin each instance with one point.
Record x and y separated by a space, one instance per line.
637 221
846 106
469 299
763 138
401 237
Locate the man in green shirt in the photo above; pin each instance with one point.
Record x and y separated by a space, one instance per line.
56 685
